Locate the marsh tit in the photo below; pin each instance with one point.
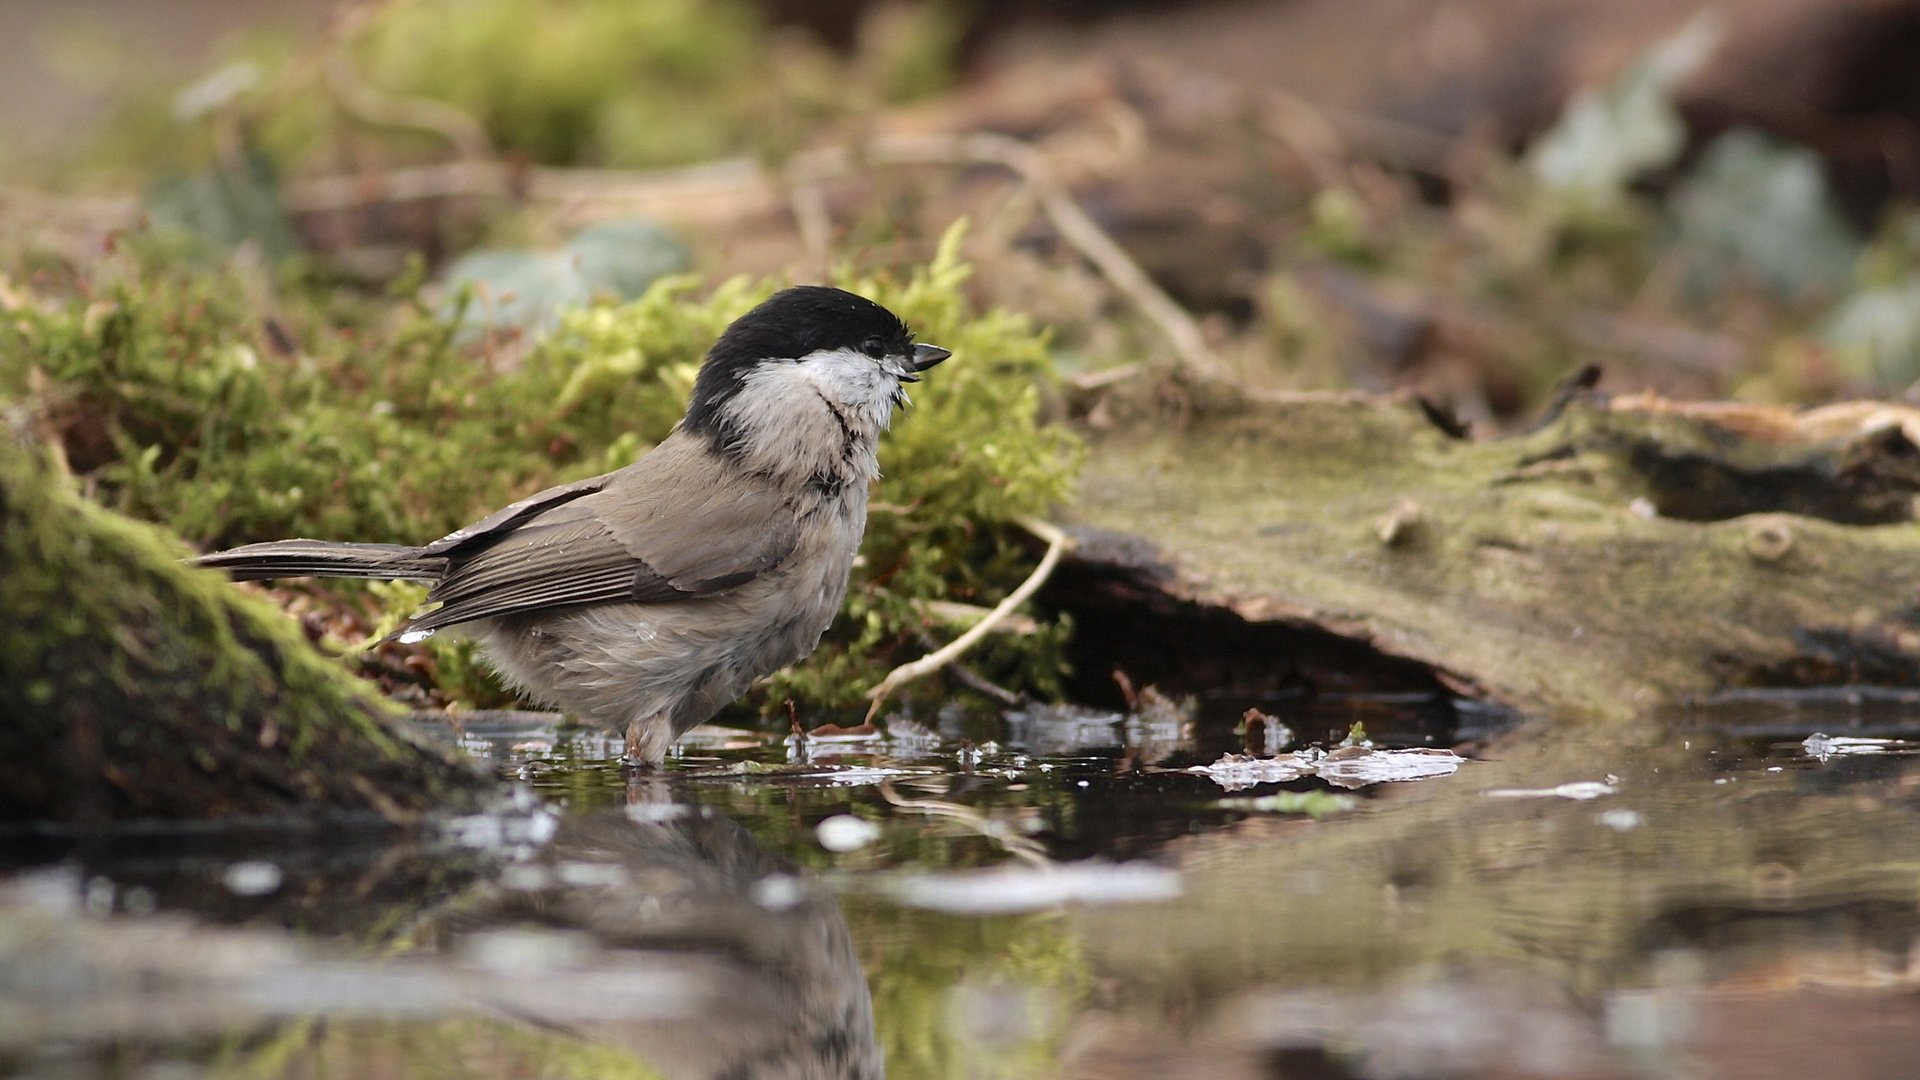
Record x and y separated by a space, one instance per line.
647 599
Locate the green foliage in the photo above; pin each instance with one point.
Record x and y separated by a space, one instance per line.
226 208
613 83
195 399
161 385
1739 277
579 81
1761 208
1610 135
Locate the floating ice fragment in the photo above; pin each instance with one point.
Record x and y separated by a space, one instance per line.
99 896
538 827
492 831
524 950
858 775
1315 804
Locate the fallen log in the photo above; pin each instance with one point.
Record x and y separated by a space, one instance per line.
1625 552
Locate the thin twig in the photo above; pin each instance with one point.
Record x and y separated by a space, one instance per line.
955 613
1073 224
1057 544
1099 380
371 105
982 685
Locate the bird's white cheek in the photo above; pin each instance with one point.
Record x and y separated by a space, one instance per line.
849 379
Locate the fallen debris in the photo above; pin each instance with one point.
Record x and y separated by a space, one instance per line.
1350 767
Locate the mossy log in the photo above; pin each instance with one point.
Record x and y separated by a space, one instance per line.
1622 554
133 688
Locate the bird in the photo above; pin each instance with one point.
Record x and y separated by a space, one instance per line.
646 599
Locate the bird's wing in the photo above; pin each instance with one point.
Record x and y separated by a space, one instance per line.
664 529
501 521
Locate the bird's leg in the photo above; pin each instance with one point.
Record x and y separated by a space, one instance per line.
647 738
631 758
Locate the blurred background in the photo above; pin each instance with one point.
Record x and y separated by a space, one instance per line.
1468 198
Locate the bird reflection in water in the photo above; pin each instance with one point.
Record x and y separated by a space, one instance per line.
764 948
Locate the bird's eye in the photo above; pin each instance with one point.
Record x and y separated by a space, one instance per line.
874 347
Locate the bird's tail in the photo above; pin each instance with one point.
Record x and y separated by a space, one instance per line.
323 558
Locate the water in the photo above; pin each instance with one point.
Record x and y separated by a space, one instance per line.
1050 893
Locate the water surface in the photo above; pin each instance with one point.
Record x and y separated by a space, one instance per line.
1049 892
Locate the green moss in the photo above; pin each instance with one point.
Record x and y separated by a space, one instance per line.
135 687
582 80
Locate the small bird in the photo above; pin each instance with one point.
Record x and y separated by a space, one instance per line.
646 599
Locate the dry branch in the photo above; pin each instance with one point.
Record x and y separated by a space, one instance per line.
1057 545
1074 225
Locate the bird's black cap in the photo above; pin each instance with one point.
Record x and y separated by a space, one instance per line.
786 326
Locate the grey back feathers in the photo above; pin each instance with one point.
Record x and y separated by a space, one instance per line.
666 528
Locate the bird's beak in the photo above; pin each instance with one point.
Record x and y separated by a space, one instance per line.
924 357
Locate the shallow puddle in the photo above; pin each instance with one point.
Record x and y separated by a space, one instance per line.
1053 892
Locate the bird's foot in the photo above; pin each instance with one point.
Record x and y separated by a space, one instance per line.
638 755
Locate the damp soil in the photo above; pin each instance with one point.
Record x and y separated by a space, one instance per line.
1732 890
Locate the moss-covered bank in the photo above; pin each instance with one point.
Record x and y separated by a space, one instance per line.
134 688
